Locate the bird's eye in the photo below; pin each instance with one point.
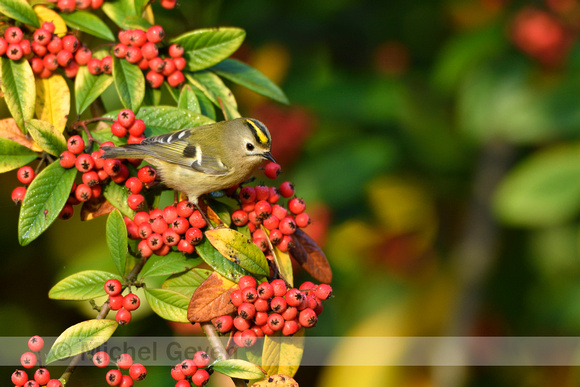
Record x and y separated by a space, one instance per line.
250 146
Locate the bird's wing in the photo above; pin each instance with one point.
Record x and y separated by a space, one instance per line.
183 148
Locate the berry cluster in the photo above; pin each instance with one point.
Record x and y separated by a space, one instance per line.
192 370
25 175
141 48
28 360
260 207
68 6
128 126
269 307
115 377
124 305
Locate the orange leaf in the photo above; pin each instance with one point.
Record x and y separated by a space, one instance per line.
310 256
95 208
9 130
211 299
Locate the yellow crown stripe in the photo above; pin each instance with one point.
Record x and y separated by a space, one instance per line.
261 136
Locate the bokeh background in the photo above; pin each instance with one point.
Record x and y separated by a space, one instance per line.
436 144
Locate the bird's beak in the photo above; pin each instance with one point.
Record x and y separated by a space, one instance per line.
268 155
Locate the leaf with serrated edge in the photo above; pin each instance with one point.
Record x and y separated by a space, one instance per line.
14 155
46 14
89 87
186 283
18 88
236 247
10 130
238 368
117 240
218 262
89 23
282 355
84 285
168 304
211 299
311 257
117 195
82 337
188 100
53 101
206 47
19 10
169 264
50 139
247 76
130 83
44 199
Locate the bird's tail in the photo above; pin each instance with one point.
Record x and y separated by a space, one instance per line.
123 152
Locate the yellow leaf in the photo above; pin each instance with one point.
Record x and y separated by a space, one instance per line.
148 14
282 355
276 381
53 101
9 130
48 15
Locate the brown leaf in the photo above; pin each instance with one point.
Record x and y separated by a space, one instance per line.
9 130
212 216
311 257
96 207
276 381
211 299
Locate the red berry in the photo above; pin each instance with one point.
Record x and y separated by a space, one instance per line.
294 297
249 294
141 217
159 225
54 383
112 167
147 174
83 4
133 54
90 178
41 36
55 45
75 144
39 50
249 338
224 324
154 79
64 58
285 243
120 50
263 209
262 192
169 67
265 290
157 64
14 52
180 225
201 359
114 377
145 230
144 250
278 305
118 130
272 170
247 195
155 241
279 212
66 6
286 189
185 247
176 50
134 185
137 128
279 287
247 310
276 235
290 313
131 302
3 46
83 56
70 43
137 371
307 287
136 202
275 321
71 70
170 237
168 4
241 323
150 50
307 318
18 194
197 220
50 62
323 291
96 4
101 359
177 374
137 37
188 367
49 26
261 318
176 79
67 212
31 383
236 297
25 46
116 302
35 343
95 66
155 34
107 64
200 377
28 360
113 287
126 117
126 381
302 220
247 281
180 63
123 317
239 218
287 225
290 327
185 209
84 162
19 377
13 35
25 174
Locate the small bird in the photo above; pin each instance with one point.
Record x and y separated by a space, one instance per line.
203 159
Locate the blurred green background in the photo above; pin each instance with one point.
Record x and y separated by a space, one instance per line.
436 144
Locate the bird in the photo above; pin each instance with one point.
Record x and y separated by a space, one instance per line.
203 159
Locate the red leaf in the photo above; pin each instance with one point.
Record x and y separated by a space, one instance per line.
310 256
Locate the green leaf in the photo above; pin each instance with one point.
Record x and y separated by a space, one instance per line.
219 263
125 14
169 264
45 198
13 155
168 304
215 90
89 23
542 190
117 240
19 89
164 119
186 283
282 355
82 337
117 195
130 83
89 87
152 97
207 47
237 248
237 368
222 210
188 100
247 76
84 285
47 136
205 105
19 10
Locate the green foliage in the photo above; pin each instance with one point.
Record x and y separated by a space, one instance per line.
19 89
89 23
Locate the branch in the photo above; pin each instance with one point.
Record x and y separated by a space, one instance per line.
216 344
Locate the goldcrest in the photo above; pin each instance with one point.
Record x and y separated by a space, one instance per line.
203 159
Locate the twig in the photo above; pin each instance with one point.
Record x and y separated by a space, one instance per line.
217 345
